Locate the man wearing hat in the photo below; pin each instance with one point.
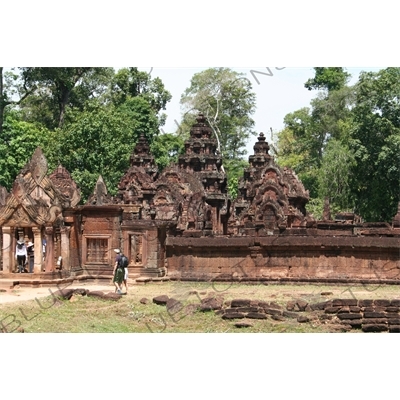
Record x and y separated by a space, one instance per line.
118 272
21 255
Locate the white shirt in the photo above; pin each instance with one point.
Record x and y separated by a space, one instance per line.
22 251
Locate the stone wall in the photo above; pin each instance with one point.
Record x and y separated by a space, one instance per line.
306 259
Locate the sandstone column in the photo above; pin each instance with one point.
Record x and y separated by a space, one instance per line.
49 261
38 254
8 251
65 233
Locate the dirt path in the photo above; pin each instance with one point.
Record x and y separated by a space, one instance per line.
25 293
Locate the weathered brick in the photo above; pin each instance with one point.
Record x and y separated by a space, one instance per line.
365 303
332 310
344 302
392 315
354 323
392 309
374 328
290 314
272 311
240 303
319 306
375 321
303 318
355 309
290 305
382 303
395 303
374 315
301 304
349 316
374 309
394 328
256 315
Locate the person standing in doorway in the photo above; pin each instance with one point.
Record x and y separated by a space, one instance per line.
21 254
30 251
118 272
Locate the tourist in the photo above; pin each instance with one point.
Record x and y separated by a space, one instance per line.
21 255
30 252
118 272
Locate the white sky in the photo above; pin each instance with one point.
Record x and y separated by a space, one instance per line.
276 95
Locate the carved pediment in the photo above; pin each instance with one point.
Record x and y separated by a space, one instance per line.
100 195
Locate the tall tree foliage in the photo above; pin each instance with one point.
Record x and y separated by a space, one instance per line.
376 144
87 119
228 102
346 145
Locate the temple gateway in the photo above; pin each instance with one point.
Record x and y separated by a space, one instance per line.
180 224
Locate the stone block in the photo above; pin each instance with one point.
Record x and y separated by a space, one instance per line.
374 314
174 306
354 323
240 303
392 315
394 328
349 316
290 314
247 309
233 316
382 303
395 303
355 309
256 315
319 306
392 309
272 311
344 302
303 319
374 327
290 305
332 310
301 304
211 303
374 309
375 321
161 300
112 296
64 294
365 303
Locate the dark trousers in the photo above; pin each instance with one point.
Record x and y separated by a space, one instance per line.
21 263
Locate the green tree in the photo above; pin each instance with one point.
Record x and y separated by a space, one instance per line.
227 101
54 89
328 78
334 178
166 149
98 142
376 144
19 141
130 83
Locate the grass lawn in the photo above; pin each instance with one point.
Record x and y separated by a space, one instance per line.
84 314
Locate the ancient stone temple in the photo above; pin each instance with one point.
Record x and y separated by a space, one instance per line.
35 211
181 224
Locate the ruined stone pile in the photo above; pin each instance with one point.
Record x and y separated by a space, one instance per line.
368 315
347 314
